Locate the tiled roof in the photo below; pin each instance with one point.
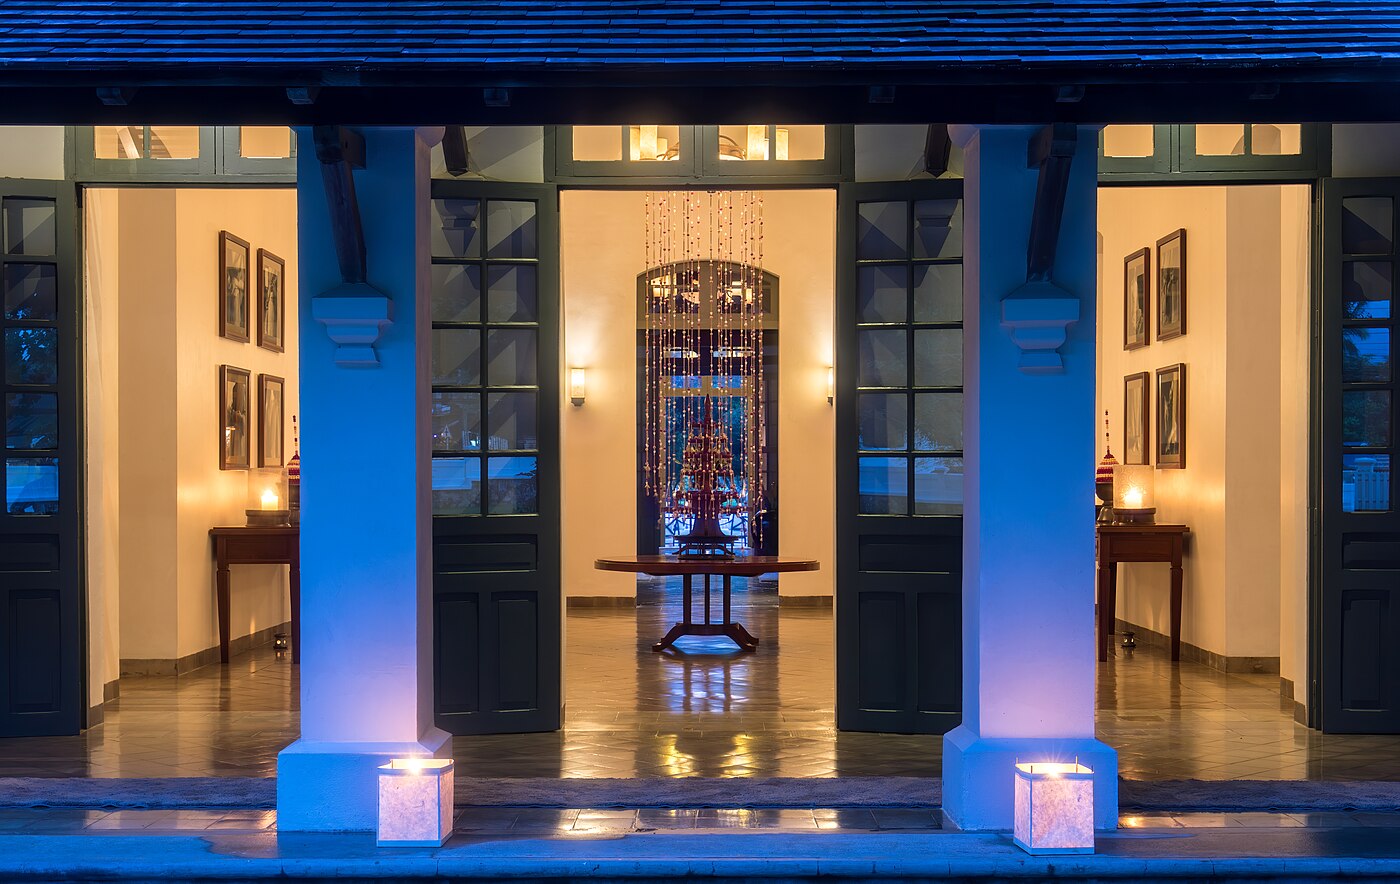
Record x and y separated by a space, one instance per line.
536 34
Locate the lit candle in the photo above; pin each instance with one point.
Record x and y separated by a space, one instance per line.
1133 497
270 500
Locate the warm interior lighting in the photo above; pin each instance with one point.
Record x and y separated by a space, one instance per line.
1134 492
577 385
830 385
758 143
780 148
1054 807
1133 497
270 500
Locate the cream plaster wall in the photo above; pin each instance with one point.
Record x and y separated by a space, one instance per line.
160 249
100 331
602 251
31 152
1246 295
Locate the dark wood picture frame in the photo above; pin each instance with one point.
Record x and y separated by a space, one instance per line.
270 287
1171 417
235 414
1137 286
272 421
234 306
1171 285
1142 410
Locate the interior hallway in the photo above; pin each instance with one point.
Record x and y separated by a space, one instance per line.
633 713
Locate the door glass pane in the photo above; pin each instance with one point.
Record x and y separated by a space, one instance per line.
31 486
174 142
513 487
1366 418
938 422
883 231
1368 224
884 358
31 355
118 142
938 486
511 357
1129 141
511 421
746 142
31 420
456 293
647 143
1220 140
1276 139
597 143
799 143
938 357
884 294
456 486
938 228
512 229
884 419
31 292
884 486
456 421
938 295
1366 289
1365 483
265 142
30 227
457 356
453 228
511 294
1365 355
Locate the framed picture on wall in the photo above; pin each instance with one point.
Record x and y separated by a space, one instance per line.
271 421
233 287
1171 417
235 418
1136 299
1171 285
272 301
1137 393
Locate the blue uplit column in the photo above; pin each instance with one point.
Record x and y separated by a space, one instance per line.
1030 429
366 526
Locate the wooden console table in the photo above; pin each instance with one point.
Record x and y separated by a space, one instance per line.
1137 543
688 567
256 546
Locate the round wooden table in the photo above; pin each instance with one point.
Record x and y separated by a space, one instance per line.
688 567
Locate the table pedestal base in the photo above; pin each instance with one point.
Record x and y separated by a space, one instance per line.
735 631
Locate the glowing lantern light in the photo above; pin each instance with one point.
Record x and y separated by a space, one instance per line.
415 802
1134 493
1054 808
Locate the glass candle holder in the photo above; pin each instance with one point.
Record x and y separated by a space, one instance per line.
1134 493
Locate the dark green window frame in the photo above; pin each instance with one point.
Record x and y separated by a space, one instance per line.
219 161
699 161
1174 159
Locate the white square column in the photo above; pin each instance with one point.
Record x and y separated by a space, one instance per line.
366 518
1028 546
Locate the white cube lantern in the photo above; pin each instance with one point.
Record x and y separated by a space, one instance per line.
1054 807
415 802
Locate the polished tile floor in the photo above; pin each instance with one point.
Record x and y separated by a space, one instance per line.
709 711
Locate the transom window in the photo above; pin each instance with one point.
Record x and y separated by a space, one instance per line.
1268 151
668 152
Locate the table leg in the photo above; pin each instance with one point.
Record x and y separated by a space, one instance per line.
294 584
685 594
707 599
1176 609
222 589
1111 621
1103 610
727 587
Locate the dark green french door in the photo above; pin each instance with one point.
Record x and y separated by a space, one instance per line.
41 582
495 440
1357 601
899 408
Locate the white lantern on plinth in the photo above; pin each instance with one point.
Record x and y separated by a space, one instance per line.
1054 807
415 802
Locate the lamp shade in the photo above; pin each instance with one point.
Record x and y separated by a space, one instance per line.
1134 492
1054 808
578 385
415 802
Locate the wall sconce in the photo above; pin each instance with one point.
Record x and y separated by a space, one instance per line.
1134 494
830 385
577 385
415 802
1054 808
